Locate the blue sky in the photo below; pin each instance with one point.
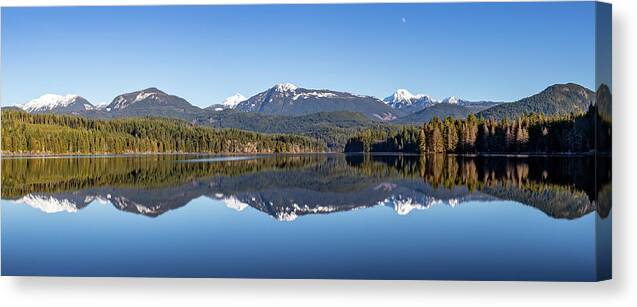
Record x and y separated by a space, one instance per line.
497 51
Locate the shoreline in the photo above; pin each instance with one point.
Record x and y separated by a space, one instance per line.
507 155
132 154
105 155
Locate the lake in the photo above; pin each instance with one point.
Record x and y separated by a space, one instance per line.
308 216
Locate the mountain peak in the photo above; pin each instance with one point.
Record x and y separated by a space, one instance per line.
233 100
289 100
125 100
149 96
153 90
555 99
403 98
403 92
49 102
285 87
451 100
569 87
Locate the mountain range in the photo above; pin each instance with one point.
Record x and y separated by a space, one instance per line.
290 100
412 103
51 103
325 114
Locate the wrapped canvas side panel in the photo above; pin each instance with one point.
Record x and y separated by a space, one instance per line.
603 138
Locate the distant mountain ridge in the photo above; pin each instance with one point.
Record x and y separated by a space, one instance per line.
292 103
290 100
403 99
228 103
420 108
51 103
150 102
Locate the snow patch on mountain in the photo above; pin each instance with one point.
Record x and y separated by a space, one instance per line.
120 103
144 95
286 216
49 102
285 87
125 100
296 210
101 106
405 205
126 204
48 204
403 98
314 95
451 100
234 203
232 101
385 116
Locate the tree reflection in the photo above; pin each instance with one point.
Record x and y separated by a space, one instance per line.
286 186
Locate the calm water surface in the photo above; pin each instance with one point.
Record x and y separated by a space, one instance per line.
309 216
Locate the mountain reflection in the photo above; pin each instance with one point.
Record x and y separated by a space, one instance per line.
287 187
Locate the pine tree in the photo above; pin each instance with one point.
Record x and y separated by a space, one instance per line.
422 141
451 135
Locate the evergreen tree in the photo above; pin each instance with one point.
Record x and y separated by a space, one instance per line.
450 135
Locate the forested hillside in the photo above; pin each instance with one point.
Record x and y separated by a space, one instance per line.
573 133
440 110
24 133
557 99
333 128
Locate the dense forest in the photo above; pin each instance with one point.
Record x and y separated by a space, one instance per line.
333 128
24 133
534 133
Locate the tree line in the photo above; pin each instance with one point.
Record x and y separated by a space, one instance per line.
24 133
533 133
42 175
562 187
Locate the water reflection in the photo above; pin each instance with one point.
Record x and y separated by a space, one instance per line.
287 187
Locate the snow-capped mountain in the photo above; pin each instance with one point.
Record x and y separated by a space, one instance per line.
228 103
100 106
412 103
285 99
288 99
421 108
232 101
48 204
451 100
285 87
52 103
403 205
402 98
